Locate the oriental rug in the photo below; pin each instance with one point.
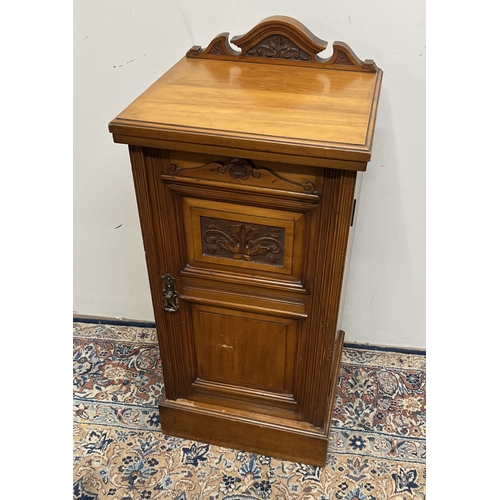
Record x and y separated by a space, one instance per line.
377 439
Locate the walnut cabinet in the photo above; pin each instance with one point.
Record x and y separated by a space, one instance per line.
245 164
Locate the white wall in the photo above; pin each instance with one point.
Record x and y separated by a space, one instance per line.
121 47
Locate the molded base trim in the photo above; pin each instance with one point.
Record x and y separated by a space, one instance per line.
296 441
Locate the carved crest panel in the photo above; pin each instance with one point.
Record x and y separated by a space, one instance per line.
283 40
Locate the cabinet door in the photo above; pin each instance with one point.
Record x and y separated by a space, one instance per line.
241 281
247 245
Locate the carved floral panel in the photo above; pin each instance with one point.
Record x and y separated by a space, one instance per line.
242 241
278 47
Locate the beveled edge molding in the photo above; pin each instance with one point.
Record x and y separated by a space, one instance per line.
258 392
252 308
272 284
282 40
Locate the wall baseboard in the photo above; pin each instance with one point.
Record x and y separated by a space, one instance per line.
386 348
150 324
80 318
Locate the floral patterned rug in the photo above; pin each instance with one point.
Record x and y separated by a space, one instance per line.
377 439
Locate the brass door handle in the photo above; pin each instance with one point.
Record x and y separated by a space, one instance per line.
169 294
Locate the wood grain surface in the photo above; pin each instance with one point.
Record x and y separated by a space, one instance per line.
292 110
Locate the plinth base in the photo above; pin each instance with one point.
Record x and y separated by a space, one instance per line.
287 440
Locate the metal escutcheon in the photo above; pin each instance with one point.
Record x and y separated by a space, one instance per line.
170 297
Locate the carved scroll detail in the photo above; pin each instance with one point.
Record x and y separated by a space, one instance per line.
217 49
241 241
282 40
241 170
343 58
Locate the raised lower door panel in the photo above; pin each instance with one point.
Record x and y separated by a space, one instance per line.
247 360
245 349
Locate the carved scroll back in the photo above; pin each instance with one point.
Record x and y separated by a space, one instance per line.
282 40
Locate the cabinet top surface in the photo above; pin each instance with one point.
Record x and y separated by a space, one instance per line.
283 108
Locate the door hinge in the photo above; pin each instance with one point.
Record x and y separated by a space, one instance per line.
353 212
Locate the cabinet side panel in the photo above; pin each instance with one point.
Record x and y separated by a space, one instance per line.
352 227
330 229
